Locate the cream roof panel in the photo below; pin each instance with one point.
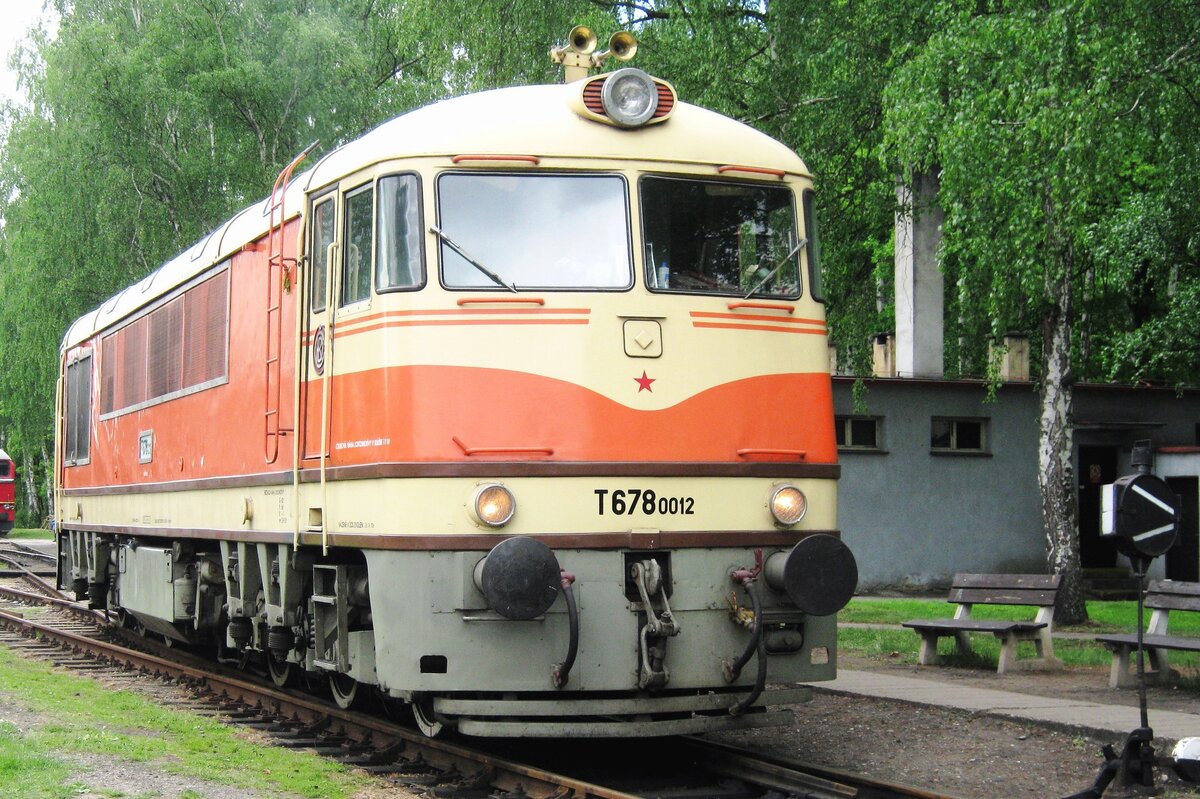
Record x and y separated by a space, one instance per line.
539 120
524 120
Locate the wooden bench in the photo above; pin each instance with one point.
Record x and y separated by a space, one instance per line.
967 590
1162 597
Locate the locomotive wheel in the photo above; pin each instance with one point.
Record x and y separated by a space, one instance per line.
344 689
427 723
281 671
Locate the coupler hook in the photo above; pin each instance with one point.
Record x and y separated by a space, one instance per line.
756 645
562 671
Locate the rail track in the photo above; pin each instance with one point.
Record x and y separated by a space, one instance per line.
17 560
37 619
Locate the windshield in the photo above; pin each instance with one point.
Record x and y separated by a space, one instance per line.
534 232
709 237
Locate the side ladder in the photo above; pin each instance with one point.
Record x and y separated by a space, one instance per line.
280 275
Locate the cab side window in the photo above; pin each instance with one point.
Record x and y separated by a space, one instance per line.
360 246
77 407
398 260
322 238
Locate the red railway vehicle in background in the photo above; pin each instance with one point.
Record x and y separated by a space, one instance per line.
8 494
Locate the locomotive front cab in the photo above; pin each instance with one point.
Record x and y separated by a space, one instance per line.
613 370
566 388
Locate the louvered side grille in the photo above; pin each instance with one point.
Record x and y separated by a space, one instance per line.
666 100
591 97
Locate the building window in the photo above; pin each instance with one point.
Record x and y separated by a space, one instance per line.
858 432
178 348
958 435
77 414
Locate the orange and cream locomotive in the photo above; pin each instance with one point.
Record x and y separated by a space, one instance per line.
516 409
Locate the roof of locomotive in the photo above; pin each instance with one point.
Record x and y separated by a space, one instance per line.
526 120
4 456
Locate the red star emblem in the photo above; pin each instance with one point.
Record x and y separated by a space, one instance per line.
644 382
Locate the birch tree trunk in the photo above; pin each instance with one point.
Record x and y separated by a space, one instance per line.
48 481
31 496
1056 476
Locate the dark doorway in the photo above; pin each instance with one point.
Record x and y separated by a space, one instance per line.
1183 560
1097 467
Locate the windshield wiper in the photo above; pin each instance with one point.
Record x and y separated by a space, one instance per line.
778 265
441 234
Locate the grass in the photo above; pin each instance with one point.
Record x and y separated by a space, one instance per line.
28 770
902 645
81 715
31 532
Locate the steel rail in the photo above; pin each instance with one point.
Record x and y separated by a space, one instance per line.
17 595
788 774
32 552
501 773
28 574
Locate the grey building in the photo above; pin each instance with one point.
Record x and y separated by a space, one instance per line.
937 479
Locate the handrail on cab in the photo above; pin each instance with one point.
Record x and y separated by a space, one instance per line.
751 452
491 300
762 306
469 451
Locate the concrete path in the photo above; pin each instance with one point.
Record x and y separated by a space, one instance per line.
1092 717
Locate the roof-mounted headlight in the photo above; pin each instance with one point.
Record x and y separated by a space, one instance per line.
630 97
494 505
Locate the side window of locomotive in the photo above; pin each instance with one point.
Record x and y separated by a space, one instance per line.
816 285
77 411
322 237
358 246
398 254
502 231
711 237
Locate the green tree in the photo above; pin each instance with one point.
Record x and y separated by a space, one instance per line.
1042 122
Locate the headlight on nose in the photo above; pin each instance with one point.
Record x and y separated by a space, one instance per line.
788 505
494 505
